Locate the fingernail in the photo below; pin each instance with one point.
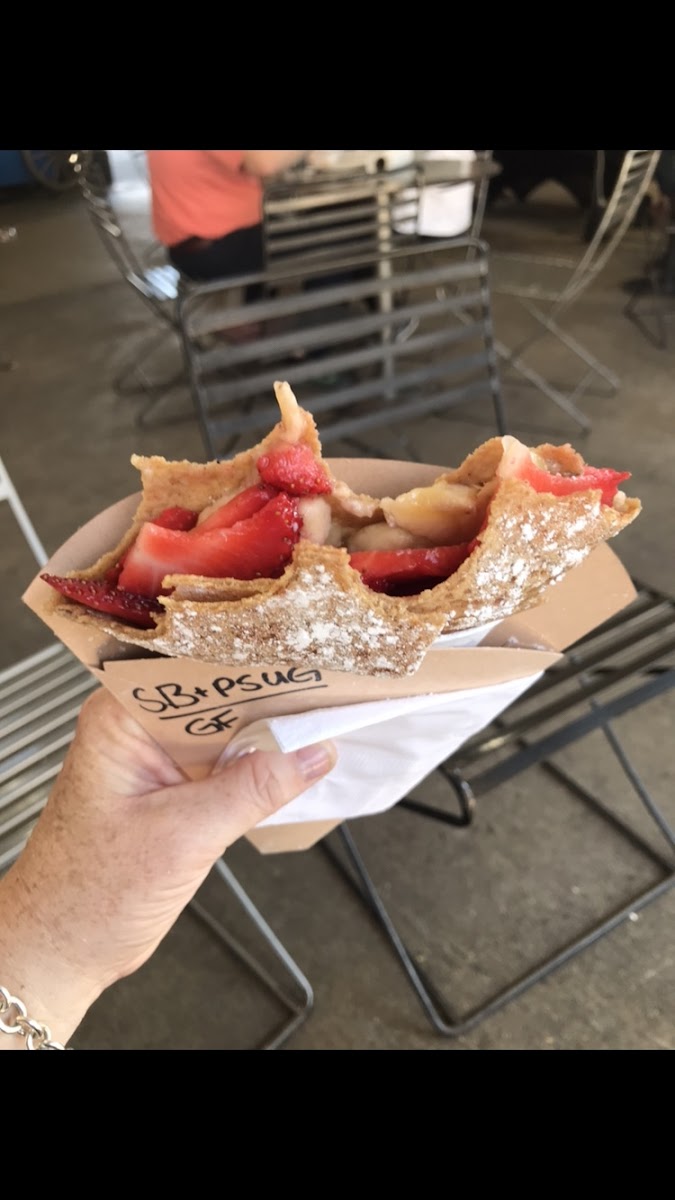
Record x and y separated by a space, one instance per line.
315 761
243 747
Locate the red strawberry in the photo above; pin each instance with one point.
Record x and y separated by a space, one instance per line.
170 518
295 470
245 505
517 463
394 570
176 518
602 479
258 547
99 595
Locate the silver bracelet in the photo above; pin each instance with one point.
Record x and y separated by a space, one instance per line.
37 1035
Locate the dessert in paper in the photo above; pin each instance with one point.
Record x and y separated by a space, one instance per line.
267 557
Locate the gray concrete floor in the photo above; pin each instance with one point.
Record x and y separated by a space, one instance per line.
478 906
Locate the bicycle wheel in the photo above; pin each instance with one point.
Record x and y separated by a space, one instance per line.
53 169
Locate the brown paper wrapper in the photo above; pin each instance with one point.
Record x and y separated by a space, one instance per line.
193 709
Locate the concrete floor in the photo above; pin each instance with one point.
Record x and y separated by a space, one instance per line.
478 906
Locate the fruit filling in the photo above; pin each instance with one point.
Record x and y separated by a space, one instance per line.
399 546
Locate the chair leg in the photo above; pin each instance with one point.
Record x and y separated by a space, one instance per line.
559 398
565 401
300 1005
575 346
153 402
124 380
433 1002
658 339
462 794
132 380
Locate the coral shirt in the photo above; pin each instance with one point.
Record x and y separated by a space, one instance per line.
201 193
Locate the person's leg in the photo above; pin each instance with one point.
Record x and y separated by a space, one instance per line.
238 253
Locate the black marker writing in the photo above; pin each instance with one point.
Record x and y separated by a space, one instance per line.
199 727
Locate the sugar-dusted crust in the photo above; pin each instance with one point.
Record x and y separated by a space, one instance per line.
319 612
531 540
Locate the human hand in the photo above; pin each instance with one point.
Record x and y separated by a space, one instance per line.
121 847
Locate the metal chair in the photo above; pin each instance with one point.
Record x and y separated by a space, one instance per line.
7 235
157 286
651 303
627 662
310 217
481 196
398 344
40 700
548 287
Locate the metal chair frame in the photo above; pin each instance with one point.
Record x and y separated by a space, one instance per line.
327 219
40 701
392 361
650 306
630 657
481 197
7 235
620 210
157 286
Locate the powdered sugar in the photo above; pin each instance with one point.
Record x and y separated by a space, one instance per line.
311 619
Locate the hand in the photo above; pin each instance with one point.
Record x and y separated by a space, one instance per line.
121 847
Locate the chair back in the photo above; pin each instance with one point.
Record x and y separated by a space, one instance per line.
157 286
635 176
325 217
9 493
408 335
481 194
40 698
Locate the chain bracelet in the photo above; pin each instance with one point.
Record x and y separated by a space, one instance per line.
37 1035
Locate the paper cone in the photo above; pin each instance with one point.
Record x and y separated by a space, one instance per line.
194 709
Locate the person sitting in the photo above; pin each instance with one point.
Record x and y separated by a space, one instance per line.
207 207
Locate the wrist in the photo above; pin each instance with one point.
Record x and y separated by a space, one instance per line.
36 967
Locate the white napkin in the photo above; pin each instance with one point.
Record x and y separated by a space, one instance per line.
384 747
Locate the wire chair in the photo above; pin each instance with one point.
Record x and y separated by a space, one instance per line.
547 287
157 286
402 343
40 701
651 304
624 664
317 218
7 235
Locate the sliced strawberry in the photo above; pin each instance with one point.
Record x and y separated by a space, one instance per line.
601 479
391 570
176 518
295 470
517 463
245 505
99 595
170 518
258 547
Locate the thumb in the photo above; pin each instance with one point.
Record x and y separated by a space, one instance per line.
242 792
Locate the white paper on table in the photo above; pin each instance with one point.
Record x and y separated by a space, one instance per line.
444 209
385 747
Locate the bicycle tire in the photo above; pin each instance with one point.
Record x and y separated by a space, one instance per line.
52 169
